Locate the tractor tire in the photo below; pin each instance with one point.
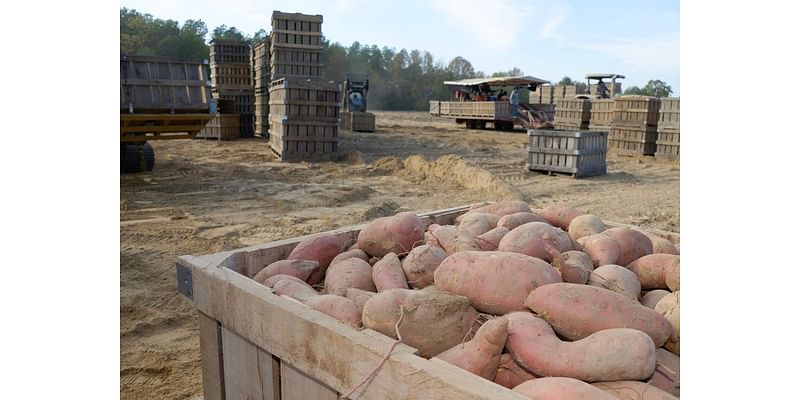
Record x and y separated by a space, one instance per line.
137 158
481 124
471 124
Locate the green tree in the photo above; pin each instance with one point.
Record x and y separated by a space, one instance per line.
460 68
142 34
512 72
633 90
222 32
566 81
657 88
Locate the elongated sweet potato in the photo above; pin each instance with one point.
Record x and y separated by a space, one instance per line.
293 289
574 266
560 215
341 308
272 280
632 244
672 276
536 239
388 273
577 311
607 355
359 297
668 372
321 248
454 240
495 282
489 241
481 355
512 221
420 264
617 279
651 269
556 388
651 298
633 390
397 234
585 225
670 307
510 374
602 249
352 253
350 273
500 209
478 223
301 269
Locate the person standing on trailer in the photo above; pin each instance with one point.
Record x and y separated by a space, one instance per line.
514 100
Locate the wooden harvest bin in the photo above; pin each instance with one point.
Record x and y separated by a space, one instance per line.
163 85
358 121
221 127
257 345
579 153
602 113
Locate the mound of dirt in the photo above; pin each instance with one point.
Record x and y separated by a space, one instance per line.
455 170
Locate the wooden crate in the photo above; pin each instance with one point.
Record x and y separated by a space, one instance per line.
221 127
295 63
559 91
163 85
542 95
617 88
573 104
229 52
358 121
632 141
636 110
307 100
600 128
571 126
262 114
573 112
602 112
580 153
670 113
625 133
243 100
296 141
667 151
282 21
259 54
231 77
631 147
246 125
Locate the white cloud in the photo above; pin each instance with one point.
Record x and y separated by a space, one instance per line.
479 20
548 30
660 54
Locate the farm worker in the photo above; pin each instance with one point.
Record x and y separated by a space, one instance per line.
602 90
514 99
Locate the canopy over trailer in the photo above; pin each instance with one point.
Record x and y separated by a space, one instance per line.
599 78
485 85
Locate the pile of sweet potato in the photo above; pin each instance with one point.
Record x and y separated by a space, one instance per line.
551 305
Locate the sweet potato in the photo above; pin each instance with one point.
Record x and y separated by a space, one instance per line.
294 289
512 221
481 355
500 209
651 298
381 311
560 215
495 282
420 264
359 297
271 281
617 279
397 234
388 273
577 311
536 239
454 240
478 223
668 372
670 307
651 269
633 390
602 249
511 374
435 321
321 248
574 266
607 355
585 225
350 273
662 245
341 308
556 388
352 253
632 244
489 241
301 269
672 276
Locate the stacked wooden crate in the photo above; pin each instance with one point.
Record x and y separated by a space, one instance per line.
579 153
231 79
601 114
221 127
261 68
573 114
542 95
634 128
669 129
358 121
295 46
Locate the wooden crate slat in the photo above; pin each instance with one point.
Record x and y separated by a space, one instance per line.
211 358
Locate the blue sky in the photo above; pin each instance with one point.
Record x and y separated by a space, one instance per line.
546 39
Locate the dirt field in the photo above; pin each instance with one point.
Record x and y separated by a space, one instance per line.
207 196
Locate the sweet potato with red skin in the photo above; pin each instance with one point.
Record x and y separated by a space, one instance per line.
536 239
632 244
574 266
633 390
668 372
435 321
651 269
359 297
617 279
388 273
577 311
602 249
512 221
478 223
321 248
670 307
510 374
662 245
350 273
500 209
430 240
420 264
352 253
396 234
489 241
341 308
651 298
560 215
454 240
557 388
481 355
672 276
272 280
607 355
585 225
381 311
495 282
301 269
293 289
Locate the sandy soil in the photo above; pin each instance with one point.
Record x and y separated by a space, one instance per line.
207 196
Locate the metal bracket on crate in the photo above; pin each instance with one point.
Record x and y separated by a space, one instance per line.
184 281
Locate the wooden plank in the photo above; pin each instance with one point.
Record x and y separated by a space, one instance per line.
295 385
211 358
269 368
241 367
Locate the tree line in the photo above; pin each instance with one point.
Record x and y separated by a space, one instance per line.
399 80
